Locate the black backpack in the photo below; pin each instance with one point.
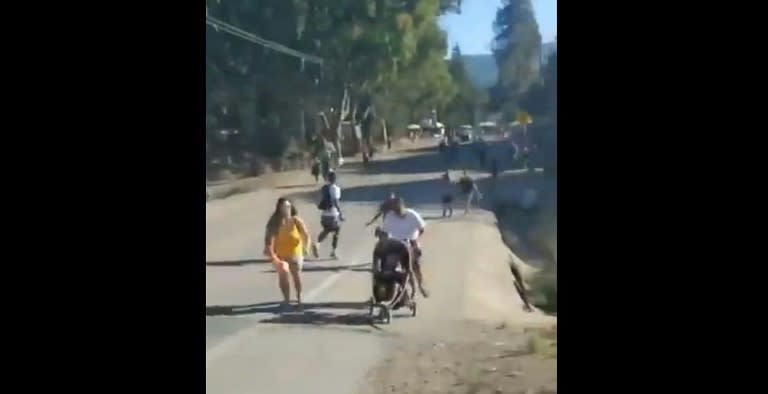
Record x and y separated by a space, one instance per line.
325 198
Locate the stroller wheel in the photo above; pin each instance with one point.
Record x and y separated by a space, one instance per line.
384 315
370 307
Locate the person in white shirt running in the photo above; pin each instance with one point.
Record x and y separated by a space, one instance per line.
406 225
331 217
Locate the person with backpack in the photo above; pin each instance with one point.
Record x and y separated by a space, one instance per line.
469 190
331 216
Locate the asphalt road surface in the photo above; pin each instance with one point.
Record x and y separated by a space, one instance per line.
329 348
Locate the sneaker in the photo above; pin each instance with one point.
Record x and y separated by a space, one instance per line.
333 255
315 251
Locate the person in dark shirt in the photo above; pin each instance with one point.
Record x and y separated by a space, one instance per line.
316 169
386 207
469 190
447 197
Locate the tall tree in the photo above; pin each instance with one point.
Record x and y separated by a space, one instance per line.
541 98
461 109
516 49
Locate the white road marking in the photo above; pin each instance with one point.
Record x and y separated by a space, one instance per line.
324 285
230 343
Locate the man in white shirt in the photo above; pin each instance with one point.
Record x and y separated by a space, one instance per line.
331 217
405 224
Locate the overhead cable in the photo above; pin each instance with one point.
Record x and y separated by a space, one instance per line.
235 31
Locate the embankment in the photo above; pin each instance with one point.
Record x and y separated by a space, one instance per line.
529 229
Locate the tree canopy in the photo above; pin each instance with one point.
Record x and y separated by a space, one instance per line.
517 50
385 56
468 100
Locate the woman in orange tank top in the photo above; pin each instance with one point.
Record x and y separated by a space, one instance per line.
286 242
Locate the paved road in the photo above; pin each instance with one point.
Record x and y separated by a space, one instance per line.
329 348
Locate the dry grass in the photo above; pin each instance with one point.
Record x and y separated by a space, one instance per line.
533 239
542 342
534 236
543 290
543 234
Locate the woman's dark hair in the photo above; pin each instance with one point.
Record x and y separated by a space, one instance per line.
273 224
399 202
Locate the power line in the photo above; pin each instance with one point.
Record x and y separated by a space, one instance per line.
227 28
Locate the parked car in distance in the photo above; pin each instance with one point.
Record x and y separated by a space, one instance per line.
465 133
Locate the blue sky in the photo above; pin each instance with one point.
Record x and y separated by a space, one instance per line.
473 30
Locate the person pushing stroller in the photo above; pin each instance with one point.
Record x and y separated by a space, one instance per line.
406 225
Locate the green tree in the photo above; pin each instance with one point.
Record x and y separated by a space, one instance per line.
541 98
382 59
541 101
516 49
462 109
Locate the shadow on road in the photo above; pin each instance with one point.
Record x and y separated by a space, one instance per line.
299 186
431 160
427 162
416 192
425 149
313 313
429 192
321 319
235 310
331 268
236 263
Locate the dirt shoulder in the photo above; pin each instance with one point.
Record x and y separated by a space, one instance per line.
479 354
490 346
470 358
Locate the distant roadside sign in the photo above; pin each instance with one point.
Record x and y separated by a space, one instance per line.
524 119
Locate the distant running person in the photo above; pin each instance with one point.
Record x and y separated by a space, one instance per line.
324 153
447 197
331 216
316 169
469 190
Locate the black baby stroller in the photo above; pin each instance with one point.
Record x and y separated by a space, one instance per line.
393 281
